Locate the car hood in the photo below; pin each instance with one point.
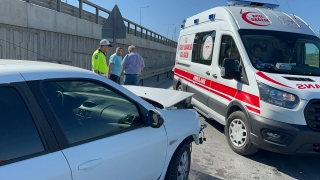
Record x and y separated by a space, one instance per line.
166 97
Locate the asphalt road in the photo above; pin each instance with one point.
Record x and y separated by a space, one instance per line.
215 160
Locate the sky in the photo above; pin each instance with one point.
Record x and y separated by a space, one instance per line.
160 15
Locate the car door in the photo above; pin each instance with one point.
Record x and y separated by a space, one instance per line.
28 148
105 132
226 90
200 71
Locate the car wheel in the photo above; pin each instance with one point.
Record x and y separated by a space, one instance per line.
179 166
238 134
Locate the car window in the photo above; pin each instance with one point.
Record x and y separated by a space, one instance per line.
270 51
87 110
18 135
203 47
228 49
312 55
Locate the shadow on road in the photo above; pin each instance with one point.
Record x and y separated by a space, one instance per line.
298 167
196 175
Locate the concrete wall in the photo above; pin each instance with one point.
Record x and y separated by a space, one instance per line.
31 32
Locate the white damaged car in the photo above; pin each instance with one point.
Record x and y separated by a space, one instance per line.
66 123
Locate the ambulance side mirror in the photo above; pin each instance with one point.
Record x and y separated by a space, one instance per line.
228 69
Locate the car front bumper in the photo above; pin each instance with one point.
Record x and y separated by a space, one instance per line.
282 137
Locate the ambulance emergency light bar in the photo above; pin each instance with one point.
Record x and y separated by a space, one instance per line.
250 3
211 17
183 22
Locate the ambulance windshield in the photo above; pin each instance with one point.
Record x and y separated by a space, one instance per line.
282 52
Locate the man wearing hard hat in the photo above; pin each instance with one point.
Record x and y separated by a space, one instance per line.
99 60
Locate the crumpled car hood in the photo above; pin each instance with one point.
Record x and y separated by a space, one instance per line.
165 97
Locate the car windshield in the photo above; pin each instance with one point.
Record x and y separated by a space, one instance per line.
282 52
83 86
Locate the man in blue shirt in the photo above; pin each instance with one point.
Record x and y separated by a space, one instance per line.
132 64
115 67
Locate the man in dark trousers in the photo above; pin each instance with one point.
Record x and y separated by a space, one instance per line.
133 65
115 67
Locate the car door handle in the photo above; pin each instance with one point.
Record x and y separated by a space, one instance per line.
89 165
215 76
208 73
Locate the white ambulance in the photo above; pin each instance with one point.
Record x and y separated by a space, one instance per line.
256 71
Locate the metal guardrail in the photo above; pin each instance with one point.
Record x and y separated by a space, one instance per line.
147 74
59 6
151 73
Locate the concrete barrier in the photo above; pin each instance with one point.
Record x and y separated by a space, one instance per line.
30 32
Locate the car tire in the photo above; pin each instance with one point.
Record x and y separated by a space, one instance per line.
179 166
237 131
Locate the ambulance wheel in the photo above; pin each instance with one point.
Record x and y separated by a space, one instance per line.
238 134
179 88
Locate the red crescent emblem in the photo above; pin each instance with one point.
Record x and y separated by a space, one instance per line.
245 18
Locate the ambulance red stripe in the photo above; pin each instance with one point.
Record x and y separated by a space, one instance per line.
204 87
261 74
253 109
233 92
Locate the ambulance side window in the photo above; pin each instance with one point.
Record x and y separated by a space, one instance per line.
228 49
203 47
311 59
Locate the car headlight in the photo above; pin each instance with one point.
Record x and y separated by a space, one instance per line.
277 97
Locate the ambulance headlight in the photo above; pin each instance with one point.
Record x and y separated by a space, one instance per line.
277 97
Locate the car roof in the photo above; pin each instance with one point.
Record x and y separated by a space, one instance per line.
11 65
37 70
26 70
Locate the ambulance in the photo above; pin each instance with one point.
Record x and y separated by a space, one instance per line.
256 71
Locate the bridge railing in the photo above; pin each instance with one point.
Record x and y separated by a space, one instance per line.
151 73
132 28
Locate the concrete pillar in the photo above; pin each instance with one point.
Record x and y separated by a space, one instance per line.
128 28
59 5
80 9
135 30
141 31
97 15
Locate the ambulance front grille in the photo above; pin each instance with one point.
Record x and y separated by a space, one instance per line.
299 79
312 114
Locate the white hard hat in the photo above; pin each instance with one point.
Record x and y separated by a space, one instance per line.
105 42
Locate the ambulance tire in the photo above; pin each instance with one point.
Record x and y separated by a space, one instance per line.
179 88
239 140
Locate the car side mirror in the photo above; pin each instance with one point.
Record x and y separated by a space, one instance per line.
155 119
228 69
